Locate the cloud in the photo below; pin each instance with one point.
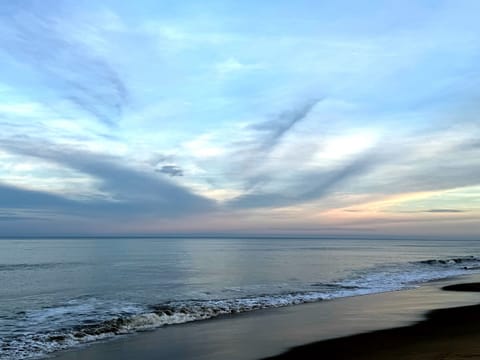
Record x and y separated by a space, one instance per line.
13 197
400 163
433 211
274 130
10 218
49 41
157 159
325 181
132 193
171 170
410 171
232 65
251 156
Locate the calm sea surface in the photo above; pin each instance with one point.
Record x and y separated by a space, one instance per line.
60 293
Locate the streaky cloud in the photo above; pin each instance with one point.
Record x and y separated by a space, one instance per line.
134 193
325 182
269 135
36 34
278 127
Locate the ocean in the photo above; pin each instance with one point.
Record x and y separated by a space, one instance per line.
62 293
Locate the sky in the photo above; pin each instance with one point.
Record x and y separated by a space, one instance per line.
335 118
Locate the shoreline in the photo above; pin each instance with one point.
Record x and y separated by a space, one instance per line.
447 334
275 331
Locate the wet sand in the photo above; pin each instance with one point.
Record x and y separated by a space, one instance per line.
266 333
444 334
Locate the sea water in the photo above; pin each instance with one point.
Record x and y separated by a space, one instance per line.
61 293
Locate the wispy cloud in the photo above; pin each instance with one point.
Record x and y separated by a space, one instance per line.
310 186
433 211
272 131
232 66
48 39
132 192
249 158
444 211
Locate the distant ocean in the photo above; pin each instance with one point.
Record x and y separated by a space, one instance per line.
61 293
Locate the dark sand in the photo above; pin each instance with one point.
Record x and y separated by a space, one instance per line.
445 334
261 334
463 287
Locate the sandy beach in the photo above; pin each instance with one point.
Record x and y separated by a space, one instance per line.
445 334
382 326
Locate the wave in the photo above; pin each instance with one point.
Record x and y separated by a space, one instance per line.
468 260
26 266
130 318
391 277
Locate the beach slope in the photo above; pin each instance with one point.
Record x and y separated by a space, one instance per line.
444 334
